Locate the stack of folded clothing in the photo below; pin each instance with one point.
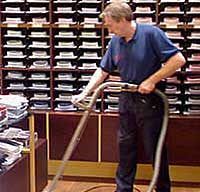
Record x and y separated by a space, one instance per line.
16 107
10 150
18 135
3 117
2 160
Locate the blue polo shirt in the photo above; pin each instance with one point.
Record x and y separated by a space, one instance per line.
141 56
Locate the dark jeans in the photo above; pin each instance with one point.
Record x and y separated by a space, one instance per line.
139 114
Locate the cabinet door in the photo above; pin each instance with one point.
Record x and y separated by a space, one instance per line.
41 168
9 180
183 141
109 138
110 126
62 127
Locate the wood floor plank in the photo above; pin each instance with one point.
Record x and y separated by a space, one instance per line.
72 186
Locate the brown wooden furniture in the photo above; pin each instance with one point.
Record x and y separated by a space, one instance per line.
17 176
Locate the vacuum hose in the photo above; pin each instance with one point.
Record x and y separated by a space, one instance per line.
82 124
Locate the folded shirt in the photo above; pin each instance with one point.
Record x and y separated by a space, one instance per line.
171 21
15 53
39 20
194 89
171 89
40 105
142 9
65 21
10 147
194 35
13 101
192 110
15 75
14 42
173 79
112 98
88 20
90 1
114 108
37 10
195 21
194 57
85 77
64 86
14 33
16 1
41 44
90 55
88 66
40 96
65 34
14 64
16 85
89 10
64 10
65 106
173 109
172 9
64 97
87 44
65 76
192 79
38 76
174 34
194 9
173 99
13 20
64 64
38 1
195 46
38 34
144 20
193 99
40 64
193 67
89 34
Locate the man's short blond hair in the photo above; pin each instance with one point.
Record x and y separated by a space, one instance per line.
118 10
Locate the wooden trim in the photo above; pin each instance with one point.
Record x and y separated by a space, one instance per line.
32 154
107 170
47 134
99 137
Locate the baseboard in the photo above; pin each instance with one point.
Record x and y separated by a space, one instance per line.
98 170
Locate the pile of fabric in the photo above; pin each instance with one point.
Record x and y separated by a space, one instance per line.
16 107
3 117
10 151
12 140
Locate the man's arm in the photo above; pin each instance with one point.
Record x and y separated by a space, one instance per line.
169 68
96 79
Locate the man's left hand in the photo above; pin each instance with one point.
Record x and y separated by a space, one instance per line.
146 87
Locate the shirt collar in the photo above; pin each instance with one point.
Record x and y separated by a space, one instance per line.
134 37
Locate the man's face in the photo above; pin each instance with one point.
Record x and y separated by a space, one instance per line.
113 26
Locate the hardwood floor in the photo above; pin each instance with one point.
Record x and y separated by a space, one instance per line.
72 186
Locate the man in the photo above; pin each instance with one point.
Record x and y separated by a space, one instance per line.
144 56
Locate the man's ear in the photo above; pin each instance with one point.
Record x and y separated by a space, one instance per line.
122 20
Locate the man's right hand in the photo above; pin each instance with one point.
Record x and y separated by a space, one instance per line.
77 98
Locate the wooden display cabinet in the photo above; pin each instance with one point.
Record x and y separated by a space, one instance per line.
17 176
